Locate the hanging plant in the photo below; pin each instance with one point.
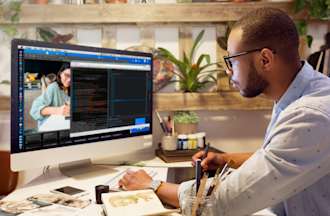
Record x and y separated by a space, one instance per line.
11 11
317 9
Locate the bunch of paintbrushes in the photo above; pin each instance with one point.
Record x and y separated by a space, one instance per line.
197 207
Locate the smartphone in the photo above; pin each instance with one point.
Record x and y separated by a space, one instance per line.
72 191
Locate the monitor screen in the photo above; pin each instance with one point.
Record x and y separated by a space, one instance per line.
67 95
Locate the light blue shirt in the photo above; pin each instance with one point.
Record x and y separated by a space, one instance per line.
54 96
291 170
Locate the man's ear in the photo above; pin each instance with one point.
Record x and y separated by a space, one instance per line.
267 58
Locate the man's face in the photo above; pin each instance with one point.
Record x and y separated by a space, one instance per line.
244 74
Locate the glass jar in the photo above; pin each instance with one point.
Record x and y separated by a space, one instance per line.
182 142
201 140
206 206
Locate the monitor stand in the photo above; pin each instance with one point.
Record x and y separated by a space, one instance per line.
84 169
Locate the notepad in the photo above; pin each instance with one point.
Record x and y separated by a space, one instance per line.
139 202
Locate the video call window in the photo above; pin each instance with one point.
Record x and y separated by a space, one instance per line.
71 97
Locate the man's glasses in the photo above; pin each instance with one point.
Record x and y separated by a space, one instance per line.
228 58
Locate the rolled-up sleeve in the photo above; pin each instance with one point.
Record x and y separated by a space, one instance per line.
41 102
295 156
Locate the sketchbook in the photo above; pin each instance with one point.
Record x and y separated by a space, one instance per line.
139 202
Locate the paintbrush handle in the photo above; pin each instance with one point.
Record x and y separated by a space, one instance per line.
199 195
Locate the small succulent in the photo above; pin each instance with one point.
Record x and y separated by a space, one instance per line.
185 117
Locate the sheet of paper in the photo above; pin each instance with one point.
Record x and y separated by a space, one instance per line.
54 123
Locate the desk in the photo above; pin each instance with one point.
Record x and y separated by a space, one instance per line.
55 179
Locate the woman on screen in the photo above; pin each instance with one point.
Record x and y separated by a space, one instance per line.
55 100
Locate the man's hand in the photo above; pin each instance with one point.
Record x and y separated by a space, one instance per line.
135 180
211 162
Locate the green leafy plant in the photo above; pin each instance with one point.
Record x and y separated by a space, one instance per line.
317 9
222 40
11 11
185 117
193 75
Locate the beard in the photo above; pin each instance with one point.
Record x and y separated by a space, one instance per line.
255 83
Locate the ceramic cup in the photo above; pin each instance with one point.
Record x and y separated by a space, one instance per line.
169 143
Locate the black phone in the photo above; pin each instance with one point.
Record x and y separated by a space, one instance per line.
72 191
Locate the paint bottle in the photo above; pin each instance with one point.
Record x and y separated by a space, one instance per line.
201 140
182 142
193 138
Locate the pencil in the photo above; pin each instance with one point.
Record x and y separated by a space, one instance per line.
161 123
198 172
206 151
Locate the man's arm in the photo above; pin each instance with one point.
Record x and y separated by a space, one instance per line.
237 158
294 157
138 180
216 160
168 193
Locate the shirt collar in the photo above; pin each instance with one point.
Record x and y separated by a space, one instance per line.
296 88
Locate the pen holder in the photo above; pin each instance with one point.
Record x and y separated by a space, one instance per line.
169 143
206 206
99 189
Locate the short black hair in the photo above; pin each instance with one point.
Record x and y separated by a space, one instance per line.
271 28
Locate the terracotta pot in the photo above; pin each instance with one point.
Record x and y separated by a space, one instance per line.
115 1
181 128
41 1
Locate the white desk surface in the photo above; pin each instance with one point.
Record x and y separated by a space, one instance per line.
55 179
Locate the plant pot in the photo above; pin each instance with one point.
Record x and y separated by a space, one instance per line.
182 128
41 1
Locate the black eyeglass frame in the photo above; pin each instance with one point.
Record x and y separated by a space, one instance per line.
227 58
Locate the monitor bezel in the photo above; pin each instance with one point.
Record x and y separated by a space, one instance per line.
14 82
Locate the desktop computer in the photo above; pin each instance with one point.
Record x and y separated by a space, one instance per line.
72 103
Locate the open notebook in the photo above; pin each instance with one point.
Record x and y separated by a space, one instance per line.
139 202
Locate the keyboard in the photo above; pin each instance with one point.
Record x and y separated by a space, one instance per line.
113 182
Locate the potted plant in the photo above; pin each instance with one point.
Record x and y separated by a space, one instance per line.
315 9
185 122
11 11
193 75
41 1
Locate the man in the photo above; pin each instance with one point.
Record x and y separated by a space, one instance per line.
290 172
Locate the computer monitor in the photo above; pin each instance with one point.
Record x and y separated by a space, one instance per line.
71 103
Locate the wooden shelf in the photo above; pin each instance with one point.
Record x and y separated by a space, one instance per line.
226 100
141 13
